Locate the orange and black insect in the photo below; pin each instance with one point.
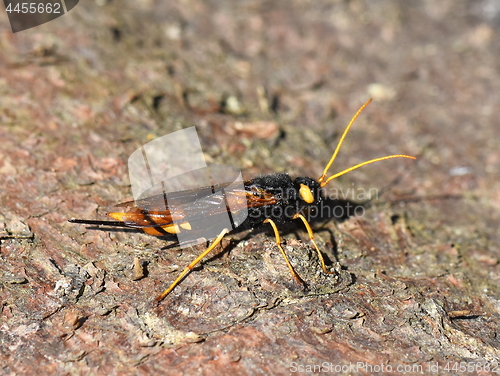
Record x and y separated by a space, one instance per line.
274 199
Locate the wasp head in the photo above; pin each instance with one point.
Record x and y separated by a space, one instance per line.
309 190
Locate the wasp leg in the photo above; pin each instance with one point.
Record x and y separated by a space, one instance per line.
311 237
278 243
193 264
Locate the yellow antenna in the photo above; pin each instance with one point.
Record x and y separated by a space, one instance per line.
322 182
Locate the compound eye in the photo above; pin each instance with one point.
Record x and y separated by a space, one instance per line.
306 194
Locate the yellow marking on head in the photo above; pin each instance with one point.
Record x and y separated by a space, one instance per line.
306 194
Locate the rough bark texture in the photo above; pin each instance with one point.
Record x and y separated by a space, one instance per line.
270 86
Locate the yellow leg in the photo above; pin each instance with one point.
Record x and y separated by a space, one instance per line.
311 236
278 243
193 264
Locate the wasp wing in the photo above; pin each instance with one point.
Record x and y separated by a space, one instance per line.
182 208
